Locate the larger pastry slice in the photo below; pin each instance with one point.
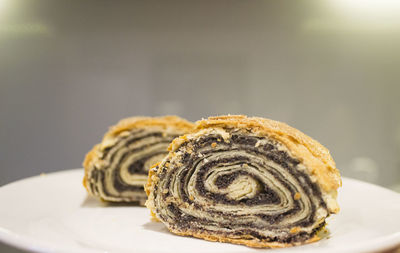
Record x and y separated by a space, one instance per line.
243 180
117 168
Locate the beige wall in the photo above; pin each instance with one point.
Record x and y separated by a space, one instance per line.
68 71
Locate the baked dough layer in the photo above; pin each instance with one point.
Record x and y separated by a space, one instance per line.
116 169
250 181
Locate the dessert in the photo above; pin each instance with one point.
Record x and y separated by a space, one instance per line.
116 169
245 180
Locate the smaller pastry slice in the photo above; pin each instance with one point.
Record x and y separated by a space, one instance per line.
116 169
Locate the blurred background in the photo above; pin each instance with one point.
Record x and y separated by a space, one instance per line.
69 70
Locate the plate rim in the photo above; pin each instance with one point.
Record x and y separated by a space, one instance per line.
26 243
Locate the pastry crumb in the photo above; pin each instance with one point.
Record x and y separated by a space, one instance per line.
294 230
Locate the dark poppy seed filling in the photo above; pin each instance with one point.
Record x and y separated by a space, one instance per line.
238 186
122 172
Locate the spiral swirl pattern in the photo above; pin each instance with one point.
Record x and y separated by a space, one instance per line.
243 188
117 168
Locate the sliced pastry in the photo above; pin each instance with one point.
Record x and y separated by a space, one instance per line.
117 168
243 180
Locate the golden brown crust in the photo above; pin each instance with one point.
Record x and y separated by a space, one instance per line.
251 242
132 123
151 179
148 186
87 164
138 122
310 152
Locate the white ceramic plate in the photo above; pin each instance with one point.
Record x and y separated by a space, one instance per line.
52 213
